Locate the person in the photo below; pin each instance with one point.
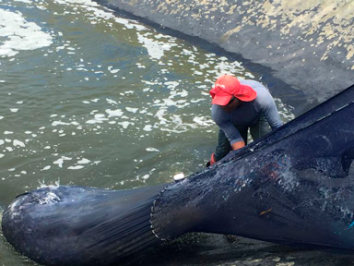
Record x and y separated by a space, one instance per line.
238 106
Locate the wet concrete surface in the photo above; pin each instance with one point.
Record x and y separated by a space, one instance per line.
307 45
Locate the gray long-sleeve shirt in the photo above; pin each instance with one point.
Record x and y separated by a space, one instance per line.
248 113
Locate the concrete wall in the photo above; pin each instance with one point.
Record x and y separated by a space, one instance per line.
307 44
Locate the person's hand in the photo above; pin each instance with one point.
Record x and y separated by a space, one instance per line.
212 160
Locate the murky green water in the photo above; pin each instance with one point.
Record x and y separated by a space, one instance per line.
93 99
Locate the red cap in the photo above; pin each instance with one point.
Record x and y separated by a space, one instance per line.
227 86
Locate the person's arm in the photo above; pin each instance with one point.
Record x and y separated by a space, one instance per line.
228 136
227 129
235 146
233 135
238 145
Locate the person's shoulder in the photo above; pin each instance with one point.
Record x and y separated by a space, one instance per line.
264 99
256 85
262 91
216 109
217 113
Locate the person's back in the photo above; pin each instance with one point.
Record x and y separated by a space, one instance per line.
237 107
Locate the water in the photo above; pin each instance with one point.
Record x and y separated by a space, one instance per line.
93 99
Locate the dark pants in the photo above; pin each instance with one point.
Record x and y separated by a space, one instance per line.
258 130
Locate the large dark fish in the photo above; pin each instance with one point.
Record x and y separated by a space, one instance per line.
293 186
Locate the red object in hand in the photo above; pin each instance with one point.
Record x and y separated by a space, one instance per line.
212 159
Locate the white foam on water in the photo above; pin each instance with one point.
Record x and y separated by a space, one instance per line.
249 75
61 160
18 143
97 12
46 168
145 177
147 128
198 73
113 113
197 101
130 24
110 101
155 49
83 161
60 123
131 110
124 124
24 1
94 121
152 149
285 111
76 167
113 71
100 116
20 35
203 121
140 65
171 84
160 115
42 184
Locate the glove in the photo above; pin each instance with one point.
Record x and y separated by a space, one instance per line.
212 160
